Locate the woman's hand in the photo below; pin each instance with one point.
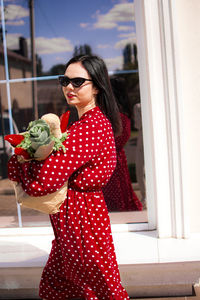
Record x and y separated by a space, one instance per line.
20 159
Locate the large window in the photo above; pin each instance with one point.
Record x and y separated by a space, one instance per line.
37 39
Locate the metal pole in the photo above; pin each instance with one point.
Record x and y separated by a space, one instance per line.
33 58
8 91
4 157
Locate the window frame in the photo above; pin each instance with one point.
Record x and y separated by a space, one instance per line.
7 81
160 86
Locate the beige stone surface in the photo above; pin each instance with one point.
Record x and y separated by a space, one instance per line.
196 296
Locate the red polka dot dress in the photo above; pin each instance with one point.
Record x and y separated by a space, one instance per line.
118 193
82 263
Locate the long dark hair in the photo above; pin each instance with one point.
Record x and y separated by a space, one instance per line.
98 72
120 92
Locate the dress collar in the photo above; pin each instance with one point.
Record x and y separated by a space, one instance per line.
90 112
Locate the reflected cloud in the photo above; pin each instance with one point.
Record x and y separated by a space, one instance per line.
15 12
13 40
84 25
53 45
15 23
105 46
122 12
125 28
43 45
127 35
130 38
114 63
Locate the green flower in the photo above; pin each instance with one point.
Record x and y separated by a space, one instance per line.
39 134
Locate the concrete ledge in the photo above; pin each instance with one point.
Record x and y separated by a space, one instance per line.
160 280
19 294
19 283
153 280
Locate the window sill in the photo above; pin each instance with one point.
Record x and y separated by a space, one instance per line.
29 247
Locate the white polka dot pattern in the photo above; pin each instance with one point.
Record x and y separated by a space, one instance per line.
82 262
118 192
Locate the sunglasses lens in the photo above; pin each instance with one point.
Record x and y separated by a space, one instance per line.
77 82
64 81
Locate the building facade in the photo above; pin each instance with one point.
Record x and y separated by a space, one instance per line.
160 257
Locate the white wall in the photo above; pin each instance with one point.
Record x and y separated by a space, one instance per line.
188 35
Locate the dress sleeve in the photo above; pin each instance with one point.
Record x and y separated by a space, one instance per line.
14 169
121 140
40 178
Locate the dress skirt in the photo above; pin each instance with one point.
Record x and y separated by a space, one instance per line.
82 262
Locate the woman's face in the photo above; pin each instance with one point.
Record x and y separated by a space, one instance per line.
84 95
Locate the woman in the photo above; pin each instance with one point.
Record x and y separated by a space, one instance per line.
82 263
118 193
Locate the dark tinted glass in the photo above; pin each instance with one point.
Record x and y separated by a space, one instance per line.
6 127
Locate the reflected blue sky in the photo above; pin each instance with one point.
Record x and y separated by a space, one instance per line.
106 25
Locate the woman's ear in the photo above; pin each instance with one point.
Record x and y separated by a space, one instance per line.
96 91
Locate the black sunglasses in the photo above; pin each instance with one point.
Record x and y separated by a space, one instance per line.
76 82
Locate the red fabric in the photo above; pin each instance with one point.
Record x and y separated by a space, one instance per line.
118 193
82 262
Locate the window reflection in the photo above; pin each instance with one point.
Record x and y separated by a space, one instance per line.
17 38
2 63
119 193
105 28
22 103
4 129
52 100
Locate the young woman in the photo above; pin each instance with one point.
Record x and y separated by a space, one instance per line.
82 263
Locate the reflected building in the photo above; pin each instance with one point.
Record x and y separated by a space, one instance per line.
19 66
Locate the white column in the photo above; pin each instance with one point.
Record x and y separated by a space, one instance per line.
161 112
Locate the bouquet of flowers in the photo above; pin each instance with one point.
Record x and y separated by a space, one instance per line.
41 138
